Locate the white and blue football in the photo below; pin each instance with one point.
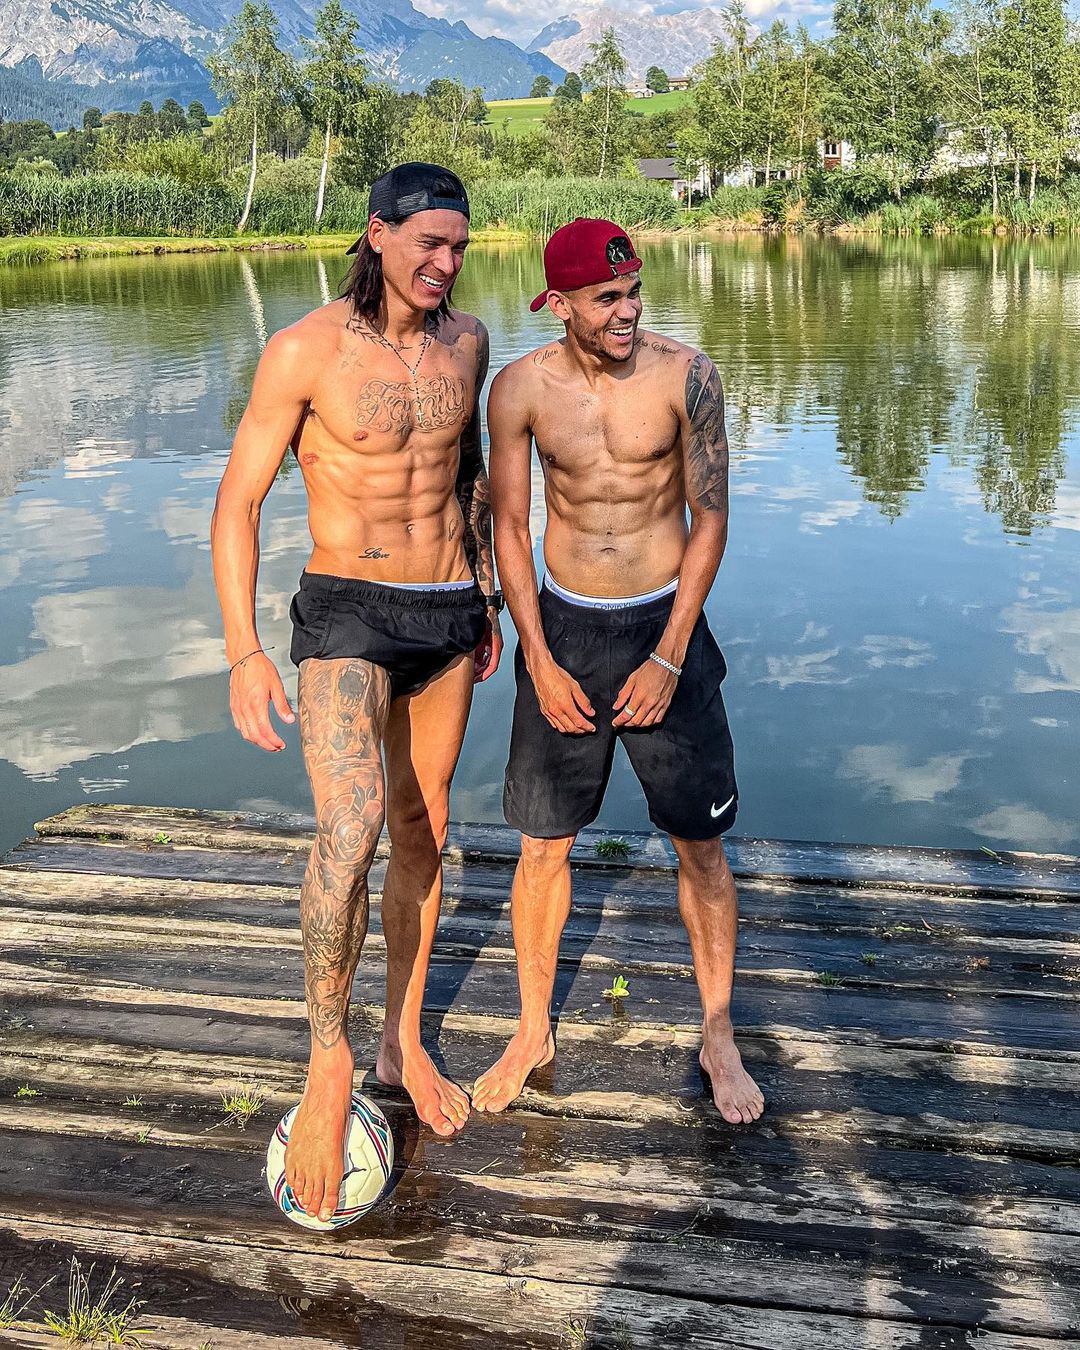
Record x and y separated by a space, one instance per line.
369 1159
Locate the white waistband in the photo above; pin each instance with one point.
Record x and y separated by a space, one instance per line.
429 585
608 601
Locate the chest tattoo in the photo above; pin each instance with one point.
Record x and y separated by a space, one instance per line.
389 405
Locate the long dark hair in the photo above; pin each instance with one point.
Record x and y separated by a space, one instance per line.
364 287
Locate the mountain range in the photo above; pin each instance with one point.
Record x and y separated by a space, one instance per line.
115 53
58 57
674 42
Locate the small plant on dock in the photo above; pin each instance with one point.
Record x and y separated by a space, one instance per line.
162 838
828 979
612 848
869 958
27 1091
19 1297
143 1134
100 1317
133 1101
618 991
576 1334
241 1105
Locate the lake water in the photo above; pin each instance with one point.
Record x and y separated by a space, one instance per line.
899 604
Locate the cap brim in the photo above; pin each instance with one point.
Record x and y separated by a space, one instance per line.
540 301
355 246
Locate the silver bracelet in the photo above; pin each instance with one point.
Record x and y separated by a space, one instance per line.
675 670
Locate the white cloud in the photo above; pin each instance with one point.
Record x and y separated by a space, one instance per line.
888 769
895 651
1023 827
811 522
802 668
1054 637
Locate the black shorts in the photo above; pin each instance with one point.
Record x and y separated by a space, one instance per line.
413 635
555 782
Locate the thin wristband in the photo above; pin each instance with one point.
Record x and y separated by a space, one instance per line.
675 670
248 657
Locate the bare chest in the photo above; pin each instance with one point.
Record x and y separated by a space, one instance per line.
583 432
376 399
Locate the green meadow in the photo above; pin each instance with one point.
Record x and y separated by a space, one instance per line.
520 115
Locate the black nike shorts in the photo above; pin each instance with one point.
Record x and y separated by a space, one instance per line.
555 783
413 635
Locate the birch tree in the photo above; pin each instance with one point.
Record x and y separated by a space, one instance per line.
335 76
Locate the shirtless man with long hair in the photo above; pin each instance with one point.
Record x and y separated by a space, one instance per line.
396 617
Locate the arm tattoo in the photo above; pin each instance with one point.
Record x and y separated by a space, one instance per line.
473 492
706 451
343 709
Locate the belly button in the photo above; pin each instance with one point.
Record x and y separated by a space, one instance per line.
409 528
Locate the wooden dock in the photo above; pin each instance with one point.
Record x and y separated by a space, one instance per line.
910 1014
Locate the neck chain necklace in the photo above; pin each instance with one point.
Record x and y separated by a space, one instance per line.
379 337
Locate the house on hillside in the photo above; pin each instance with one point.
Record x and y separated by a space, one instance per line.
682 189
640 90
679 82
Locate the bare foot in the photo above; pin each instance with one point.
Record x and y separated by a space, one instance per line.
438 1102
735 1094
496 1089
315 1153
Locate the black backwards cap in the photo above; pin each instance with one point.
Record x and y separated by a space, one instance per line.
410 188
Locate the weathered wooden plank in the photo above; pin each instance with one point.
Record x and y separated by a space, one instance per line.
805 1103
1044 970
809 861
948 1274
482 888
478 984
796 1075
494 1304
915 954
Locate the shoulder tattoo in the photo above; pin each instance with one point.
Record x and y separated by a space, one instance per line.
707 448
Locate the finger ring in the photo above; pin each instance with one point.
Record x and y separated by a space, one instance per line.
630 710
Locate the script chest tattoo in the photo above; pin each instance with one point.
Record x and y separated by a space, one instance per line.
390 406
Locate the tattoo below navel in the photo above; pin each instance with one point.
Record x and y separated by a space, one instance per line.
309 458
373 553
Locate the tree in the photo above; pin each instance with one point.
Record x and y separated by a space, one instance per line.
886 87
171 120
723 96
376 139
605 118
541 87
570 88
335 77
255 79
1033 69
657 80
809 69
196 114
91 119
972 81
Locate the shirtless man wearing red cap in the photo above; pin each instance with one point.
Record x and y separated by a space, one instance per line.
629 428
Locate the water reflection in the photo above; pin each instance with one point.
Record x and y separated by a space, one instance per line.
900 604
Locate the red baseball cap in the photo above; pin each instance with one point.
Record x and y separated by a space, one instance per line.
584 253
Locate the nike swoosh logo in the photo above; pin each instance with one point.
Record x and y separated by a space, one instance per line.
719 810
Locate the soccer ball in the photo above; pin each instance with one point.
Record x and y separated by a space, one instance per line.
369 1158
